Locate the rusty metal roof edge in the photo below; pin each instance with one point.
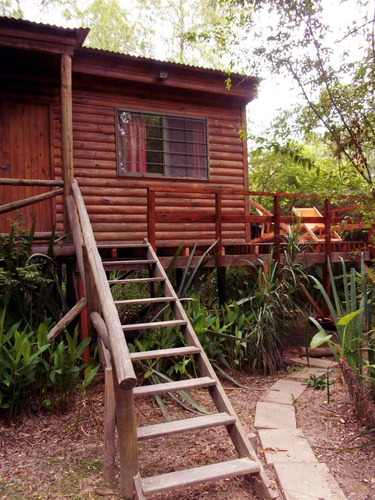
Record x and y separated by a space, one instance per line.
123 55
80 33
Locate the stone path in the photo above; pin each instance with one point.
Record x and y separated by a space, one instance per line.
301 476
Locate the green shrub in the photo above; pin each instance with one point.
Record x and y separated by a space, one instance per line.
33 369
353 315
30 287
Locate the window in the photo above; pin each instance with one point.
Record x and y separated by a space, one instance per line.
161 145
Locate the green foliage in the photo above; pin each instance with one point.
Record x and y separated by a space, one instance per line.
112 27
352 311
30 286
10 8
223 332
203 38
305 168
270 304
160 338
33 369
337 86
319 383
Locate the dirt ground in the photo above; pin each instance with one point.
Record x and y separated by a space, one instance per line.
44 456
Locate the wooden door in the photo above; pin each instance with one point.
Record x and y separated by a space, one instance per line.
25 154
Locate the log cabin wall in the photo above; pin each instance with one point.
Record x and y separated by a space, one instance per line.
29 84
117 205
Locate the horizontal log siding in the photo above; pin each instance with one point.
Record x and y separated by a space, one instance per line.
118 209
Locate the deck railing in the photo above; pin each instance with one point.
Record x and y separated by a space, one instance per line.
218 218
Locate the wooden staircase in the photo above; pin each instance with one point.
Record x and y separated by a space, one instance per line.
94 262
142 257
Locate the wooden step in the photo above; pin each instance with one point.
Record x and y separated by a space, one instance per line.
181 385
155 324
113 265
136 280
164 353
148 300
186 425
188 477
122 245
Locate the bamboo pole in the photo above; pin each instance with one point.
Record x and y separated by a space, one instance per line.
29 201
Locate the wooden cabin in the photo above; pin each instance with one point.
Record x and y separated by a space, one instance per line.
138 125
114 149
156 149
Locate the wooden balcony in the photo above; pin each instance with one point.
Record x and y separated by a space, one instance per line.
229 252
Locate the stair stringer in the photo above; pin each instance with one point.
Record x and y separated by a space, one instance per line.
244 448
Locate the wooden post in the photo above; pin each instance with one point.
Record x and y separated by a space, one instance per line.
276 227
327 245
66 129
220 270
83 321
68 318
245 172
151 231
109 426
221 284
93 301
218 236
127 434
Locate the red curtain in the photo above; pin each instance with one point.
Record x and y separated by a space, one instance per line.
135 145
200 153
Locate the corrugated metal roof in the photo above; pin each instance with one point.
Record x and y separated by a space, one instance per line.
44 25
81 34
166 63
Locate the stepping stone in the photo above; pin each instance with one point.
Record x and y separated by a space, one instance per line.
284 391
305 372
281 446
315 362
274 416
300 481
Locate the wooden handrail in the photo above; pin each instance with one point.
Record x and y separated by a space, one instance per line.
29 201
31 182
183 190
118 346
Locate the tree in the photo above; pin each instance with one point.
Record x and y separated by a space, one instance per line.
198 31
301 168
11 8
336 83
112 27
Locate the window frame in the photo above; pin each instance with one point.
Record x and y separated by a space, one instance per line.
121 148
